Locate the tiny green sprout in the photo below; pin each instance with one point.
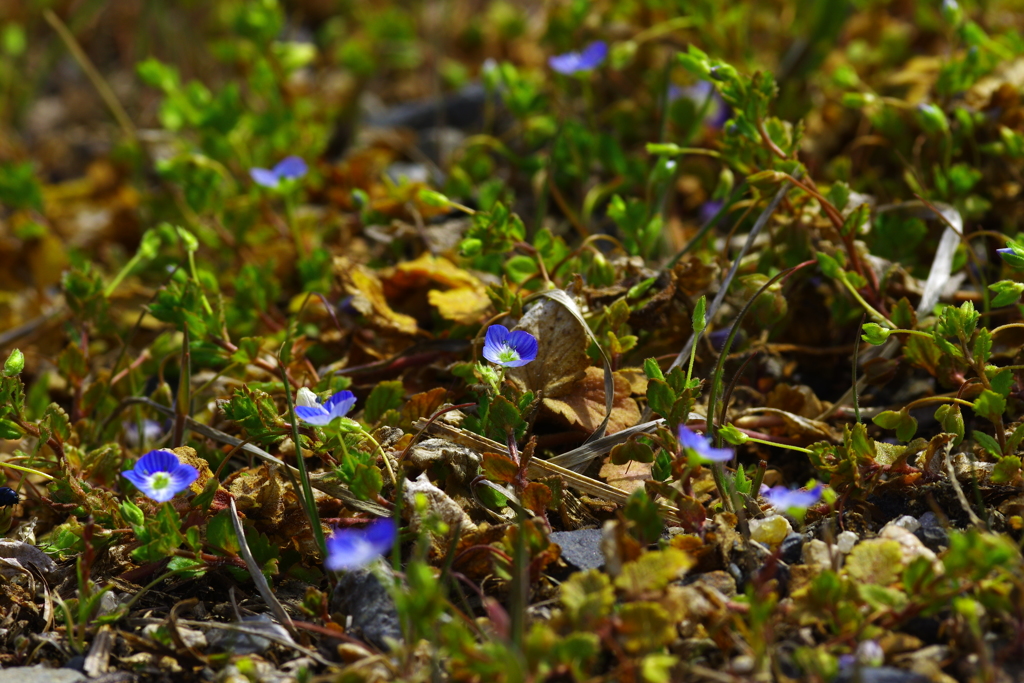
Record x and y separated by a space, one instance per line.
14 364
433 198
1007 292
733 435
875 334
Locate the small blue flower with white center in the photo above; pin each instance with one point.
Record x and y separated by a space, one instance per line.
786 499
355 548
161 476
322 414
575 62
509 349
289 168
700 447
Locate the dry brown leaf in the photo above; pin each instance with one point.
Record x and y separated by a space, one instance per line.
561 353
585 406
629 476
463 305
189 456
368 297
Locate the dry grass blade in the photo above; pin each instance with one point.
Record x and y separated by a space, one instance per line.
975 520
538 468
257 633
939 274
716 303
257 574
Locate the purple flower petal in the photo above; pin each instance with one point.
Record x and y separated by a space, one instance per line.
701 447
339 404
161 476
291 167
574 62
509 349
783 498
355 548
1005 250
316 415
264 177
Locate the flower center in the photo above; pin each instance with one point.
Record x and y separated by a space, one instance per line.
507 354
160 480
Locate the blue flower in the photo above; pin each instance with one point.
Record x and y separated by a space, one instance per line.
783 498
509 349
322 414
718 111
161 476
699 446
289 167
355 548
574 62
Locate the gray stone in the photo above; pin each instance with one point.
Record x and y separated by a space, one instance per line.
40 674
580 548
361 595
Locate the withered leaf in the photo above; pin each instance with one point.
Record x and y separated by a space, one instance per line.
561 352
584 405
368 297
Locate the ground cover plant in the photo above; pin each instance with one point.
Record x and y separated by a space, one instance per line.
512 341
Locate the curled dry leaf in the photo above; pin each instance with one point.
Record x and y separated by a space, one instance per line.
18 556
367 294
438 502
561 352
584 404
189 456
456 294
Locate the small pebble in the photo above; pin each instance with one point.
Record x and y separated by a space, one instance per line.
934 537
792 549
816 552
770 530
929 519
907 522
845 541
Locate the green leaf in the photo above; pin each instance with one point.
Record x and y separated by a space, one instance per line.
982 346
653 370
829 266
499 468
643 512
661 397
1007 292
1006 470
653 570
1001 379
631 451
384 397
588 598
990 405
987 442
220 533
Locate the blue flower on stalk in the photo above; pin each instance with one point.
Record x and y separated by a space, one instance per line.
288 168
700 446
322 414
161 476
509 349
355 548
783 498
574 62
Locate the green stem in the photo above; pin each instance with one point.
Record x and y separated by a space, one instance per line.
309 502
878 317
779 445
28 470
